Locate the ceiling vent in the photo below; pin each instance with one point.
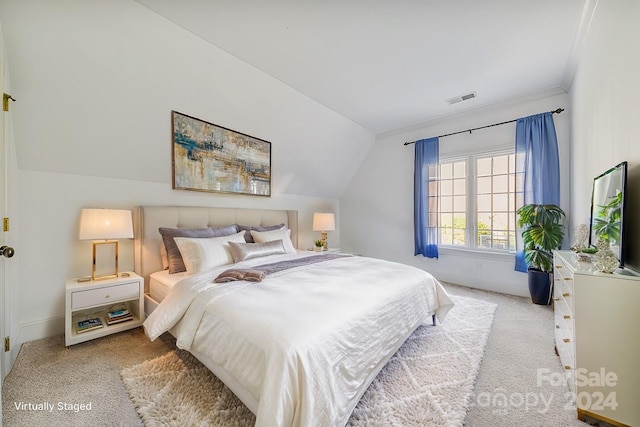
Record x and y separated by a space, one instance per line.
461 98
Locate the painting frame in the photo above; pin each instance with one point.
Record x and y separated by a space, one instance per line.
211 158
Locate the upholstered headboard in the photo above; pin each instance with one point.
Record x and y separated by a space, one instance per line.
148 219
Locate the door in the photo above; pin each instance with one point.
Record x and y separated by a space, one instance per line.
6 165
5 358
8 268
4 315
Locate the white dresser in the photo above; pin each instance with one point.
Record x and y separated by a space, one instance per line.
596 319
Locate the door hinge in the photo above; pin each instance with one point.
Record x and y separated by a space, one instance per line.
5 101
5 224
7 344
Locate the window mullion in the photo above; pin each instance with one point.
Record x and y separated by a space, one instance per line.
471 202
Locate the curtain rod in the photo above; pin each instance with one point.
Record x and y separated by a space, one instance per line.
556 111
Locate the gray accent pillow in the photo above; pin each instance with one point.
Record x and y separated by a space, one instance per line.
247 235
176 264
243 251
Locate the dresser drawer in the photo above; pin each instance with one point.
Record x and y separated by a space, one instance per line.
101 296
563 290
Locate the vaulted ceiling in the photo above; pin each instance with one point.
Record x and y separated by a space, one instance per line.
388 65
96 81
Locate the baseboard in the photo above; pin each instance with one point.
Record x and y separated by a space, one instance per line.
34 331
516 289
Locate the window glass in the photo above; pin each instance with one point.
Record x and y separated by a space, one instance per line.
482 208
453 203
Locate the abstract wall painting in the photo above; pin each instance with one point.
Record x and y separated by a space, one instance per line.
207 157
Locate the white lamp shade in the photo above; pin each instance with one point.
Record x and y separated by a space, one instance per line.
324 222
98 224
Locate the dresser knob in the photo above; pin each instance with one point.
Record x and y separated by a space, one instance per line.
566 294
567 278
567 367
566 316
107 296
566 339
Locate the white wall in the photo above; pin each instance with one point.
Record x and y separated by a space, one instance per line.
377 207
50 251
95 83
606 110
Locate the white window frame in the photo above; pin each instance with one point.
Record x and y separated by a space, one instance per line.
471 216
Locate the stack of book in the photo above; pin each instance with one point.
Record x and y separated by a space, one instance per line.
118 316
88 325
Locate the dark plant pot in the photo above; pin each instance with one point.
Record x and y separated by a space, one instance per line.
540 287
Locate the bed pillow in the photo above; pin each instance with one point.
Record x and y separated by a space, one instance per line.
174 258
283 234
203 253
243 251
249 238
163 255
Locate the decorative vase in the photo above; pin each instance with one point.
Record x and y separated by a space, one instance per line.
581 235
318 248
604 260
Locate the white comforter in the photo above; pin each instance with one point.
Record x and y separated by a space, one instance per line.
305 342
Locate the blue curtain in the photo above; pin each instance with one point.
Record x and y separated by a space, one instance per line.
426 235
537 157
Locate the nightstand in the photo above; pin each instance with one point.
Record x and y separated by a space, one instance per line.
85 300
332 250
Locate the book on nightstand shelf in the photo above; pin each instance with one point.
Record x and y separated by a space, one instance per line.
88 325
118 316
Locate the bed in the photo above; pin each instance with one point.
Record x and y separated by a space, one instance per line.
300 345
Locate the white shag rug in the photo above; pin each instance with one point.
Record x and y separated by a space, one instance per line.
429 381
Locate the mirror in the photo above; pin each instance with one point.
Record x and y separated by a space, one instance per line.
607 208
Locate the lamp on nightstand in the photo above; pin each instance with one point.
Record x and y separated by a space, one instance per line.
324 222
104 227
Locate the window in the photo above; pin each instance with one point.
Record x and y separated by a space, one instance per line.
453 203
478 196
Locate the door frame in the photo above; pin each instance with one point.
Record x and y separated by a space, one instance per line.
5 359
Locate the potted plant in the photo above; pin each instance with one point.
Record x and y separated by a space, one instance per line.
318 244
542 232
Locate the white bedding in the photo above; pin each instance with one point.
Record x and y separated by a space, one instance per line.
305 342
161 283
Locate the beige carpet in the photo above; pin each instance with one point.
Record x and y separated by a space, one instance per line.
429 381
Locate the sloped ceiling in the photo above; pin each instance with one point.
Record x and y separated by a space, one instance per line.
95 81
388 65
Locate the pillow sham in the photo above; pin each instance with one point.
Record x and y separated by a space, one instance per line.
243 251
249 238
283 234
174 258
203 253
163 256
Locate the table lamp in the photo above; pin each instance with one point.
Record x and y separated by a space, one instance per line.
324 222
104 227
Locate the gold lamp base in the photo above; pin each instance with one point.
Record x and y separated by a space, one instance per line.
105 248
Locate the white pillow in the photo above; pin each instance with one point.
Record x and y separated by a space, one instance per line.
283 234
242 251
203 253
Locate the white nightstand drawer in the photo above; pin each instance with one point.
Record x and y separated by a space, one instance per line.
91 297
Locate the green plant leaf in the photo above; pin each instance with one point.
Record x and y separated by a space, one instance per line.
542 232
